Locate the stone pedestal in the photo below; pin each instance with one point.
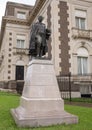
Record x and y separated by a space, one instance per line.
41 103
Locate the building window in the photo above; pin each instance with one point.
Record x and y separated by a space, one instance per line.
82 65
21 15
20 41
82 60
80 22
80 19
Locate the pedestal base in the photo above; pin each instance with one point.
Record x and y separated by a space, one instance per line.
41 103
44 120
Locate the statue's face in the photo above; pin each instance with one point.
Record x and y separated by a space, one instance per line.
40 18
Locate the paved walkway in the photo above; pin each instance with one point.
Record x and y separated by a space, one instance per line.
83 104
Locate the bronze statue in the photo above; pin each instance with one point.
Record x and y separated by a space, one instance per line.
38 39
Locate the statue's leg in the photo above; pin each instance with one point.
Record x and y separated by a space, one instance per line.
38 50
41 51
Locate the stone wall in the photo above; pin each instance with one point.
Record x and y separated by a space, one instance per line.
14 86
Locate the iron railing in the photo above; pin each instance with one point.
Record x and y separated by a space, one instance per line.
75 86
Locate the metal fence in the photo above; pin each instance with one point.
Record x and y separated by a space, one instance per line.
75 86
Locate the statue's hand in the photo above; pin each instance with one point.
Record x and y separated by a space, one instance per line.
48 33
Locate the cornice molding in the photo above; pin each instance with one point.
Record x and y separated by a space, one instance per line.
19 5
28 22
36 10
16 21
6 20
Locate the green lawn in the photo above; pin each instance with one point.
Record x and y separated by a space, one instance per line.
86 100
8 101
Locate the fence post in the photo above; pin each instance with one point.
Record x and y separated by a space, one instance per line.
70 86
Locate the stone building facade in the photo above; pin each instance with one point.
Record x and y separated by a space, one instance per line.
14 44
70 44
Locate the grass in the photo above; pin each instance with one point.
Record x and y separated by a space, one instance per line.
8 101
86 100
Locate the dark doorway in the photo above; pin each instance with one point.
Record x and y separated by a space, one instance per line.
19 72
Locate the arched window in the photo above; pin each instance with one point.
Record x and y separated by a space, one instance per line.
82 58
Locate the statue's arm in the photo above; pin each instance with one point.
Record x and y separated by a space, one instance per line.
48 33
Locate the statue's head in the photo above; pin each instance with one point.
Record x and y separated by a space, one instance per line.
40 18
